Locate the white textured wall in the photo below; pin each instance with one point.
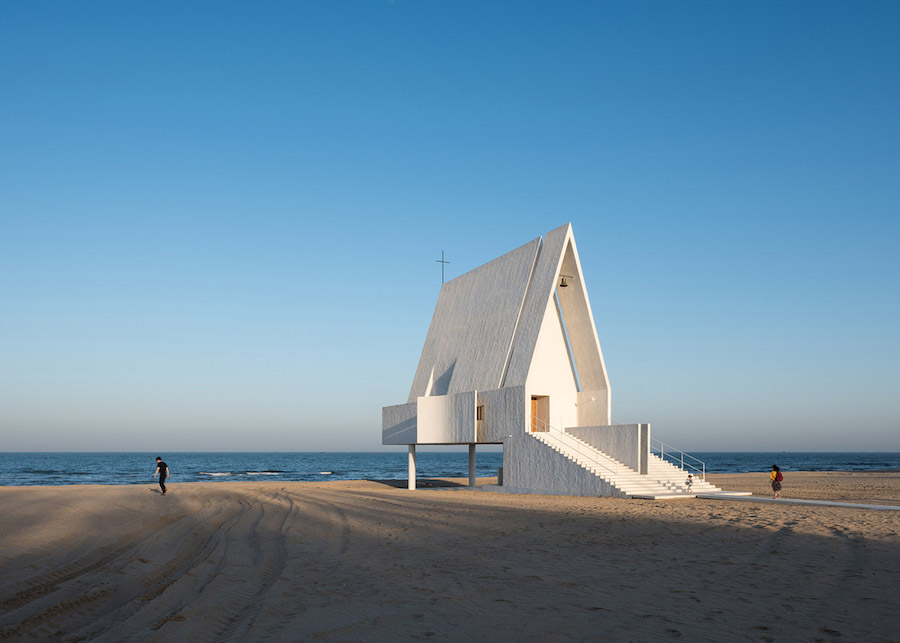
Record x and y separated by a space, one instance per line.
531 464
435 419
398 424
593 408
445 419
551 371
620 441
463 428
504 413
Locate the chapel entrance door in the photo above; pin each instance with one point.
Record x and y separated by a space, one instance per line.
540 413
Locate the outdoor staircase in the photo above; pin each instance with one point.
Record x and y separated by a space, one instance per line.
663 480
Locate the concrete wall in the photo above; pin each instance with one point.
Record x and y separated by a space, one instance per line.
645 448
446 419
627 443
398 424
593 408
435 418
504 413
463 426
531 464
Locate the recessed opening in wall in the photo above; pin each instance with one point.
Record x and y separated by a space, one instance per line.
565 330
540 413
479 413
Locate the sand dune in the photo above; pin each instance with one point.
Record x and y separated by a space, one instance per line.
360 560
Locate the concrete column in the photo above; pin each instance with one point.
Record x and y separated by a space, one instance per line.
471 465
644 446
412 466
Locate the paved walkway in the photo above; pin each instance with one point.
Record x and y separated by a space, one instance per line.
796 501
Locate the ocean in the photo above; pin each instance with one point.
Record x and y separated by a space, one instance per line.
18 469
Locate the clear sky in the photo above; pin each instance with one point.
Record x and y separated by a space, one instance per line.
219 221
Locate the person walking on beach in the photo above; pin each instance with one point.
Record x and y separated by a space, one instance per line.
163 470
689 482
776 479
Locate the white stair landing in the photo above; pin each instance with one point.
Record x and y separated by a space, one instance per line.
675 496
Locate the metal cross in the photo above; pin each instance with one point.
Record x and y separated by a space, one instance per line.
442 262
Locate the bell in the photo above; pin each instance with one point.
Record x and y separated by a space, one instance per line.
563 283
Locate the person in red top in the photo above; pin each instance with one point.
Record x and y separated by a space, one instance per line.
776 479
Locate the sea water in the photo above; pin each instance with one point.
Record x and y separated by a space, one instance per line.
137 468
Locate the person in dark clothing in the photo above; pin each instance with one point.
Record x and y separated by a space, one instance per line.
163 470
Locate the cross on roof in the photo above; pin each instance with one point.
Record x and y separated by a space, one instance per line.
442 262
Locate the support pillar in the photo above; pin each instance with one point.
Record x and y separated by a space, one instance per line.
412 467
644 442
471 465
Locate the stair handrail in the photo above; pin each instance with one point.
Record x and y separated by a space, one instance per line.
660 446
573 442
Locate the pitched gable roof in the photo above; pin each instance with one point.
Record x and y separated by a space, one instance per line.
486 323
472 329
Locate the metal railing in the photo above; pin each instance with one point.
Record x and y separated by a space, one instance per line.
676 456
584 450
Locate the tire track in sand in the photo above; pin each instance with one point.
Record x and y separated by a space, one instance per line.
251 559
322 551
105 578
197 562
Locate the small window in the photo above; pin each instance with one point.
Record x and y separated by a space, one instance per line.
479 413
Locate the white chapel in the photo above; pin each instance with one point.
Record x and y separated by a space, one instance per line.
512 357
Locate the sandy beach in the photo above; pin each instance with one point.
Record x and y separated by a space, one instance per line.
368 561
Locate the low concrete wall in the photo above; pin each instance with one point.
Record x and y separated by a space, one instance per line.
627 443
528 463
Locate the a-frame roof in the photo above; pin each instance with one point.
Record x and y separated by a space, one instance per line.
469 339
486 323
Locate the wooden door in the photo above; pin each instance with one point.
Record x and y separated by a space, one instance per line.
534 413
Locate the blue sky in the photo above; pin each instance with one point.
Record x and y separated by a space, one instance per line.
219 221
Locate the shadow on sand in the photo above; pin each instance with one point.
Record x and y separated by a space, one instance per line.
423 483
